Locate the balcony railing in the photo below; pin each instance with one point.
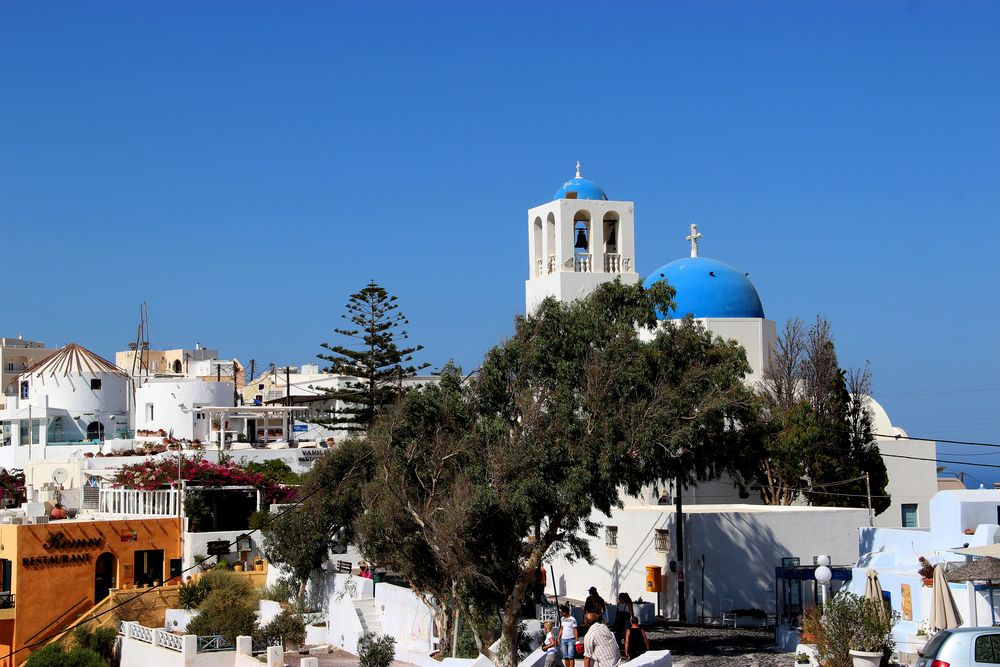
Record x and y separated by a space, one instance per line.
161 502
583 262
612 262
6 600
538 266
550 265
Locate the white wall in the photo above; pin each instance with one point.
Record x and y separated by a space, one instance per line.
407 618
742 545
175 405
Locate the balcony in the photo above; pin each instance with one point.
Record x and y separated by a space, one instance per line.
583 262
6 606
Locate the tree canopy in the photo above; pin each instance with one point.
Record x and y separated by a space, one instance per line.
816 431
476 481
371 357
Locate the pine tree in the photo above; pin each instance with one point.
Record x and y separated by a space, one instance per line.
372 359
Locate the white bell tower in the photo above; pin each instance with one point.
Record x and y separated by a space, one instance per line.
577 241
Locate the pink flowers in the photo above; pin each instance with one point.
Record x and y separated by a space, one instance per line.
196 471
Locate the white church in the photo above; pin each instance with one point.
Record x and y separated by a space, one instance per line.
581 239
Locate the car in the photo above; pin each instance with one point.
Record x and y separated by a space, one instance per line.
962 647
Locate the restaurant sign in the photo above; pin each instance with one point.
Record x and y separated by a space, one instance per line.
59 542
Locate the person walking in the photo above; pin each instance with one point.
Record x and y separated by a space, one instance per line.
550 645
600 649
624 611
594 603
568 634
636 640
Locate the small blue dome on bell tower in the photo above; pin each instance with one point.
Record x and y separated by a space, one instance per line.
580 188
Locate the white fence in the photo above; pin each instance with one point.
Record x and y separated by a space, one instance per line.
152 646
162 502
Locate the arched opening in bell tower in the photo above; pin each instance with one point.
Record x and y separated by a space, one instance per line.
582 257
536 241
612 257
550 243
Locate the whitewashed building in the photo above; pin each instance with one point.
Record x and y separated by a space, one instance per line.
71 401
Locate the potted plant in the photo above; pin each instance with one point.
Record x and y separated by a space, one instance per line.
802 658
855 630
926 572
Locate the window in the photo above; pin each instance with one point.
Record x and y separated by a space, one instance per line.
149 412
988 649
909 511
24 390
95 384
662 540
611 536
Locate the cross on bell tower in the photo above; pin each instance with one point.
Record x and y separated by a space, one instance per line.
693 238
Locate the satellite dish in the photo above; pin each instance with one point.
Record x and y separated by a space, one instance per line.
60 475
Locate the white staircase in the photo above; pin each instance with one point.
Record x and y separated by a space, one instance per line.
370 613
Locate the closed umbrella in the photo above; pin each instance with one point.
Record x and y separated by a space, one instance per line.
873 589
944 612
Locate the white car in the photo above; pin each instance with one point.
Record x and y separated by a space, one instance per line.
962 647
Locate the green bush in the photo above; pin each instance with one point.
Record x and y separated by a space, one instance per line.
100 641
229 607
54 655
280 591
852 622
191 594
287 628
376 650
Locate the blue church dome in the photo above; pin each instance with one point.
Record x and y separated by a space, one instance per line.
581 187
584 189
708 288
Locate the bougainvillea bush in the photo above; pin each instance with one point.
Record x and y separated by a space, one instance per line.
196 471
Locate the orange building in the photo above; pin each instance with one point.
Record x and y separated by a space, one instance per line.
51 573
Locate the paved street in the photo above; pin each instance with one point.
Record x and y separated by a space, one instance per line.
717 647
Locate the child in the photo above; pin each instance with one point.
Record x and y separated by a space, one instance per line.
550 646
568 635
636 641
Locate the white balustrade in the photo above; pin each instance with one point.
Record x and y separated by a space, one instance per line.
160 502
169 640
142 633
551 266
612 262
583 262
538 266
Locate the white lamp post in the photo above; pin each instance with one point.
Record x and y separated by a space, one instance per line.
823 575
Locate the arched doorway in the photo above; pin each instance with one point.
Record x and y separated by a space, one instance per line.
177 365
95 431
104 575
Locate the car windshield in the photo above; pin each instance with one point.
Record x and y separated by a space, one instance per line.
934 645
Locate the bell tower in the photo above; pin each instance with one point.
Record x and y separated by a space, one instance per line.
577 241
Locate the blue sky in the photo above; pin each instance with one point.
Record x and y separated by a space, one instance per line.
244 166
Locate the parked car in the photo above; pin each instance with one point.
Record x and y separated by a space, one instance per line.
962 647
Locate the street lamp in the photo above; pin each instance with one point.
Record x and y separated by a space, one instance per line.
823 575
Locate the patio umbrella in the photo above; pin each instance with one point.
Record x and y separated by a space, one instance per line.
873 589
944 613
982 569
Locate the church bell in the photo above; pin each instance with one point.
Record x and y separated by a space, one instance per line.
581 240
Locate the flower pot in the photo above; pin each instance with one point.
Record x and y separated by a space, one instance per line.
928 582
866 658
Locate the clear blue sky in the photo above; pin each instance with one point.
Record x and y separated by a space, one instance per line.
243 166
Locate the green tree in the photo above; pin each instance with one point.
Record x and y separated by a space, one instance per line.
302 537
484 479
816 429
372 357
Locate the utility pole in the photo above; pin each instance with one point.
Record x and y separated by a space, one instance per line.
288 402
253 364
868 489
679 518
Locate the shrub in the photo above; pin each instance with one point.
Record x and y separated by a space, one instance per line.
229 607
280 591
54 655
376 650
101 641
287 627
852 622
191 594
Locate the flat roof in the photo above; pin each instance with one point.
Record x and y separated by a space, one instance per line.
741 507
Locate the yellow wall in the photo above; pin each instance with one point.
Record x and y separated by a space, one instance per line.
50 595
